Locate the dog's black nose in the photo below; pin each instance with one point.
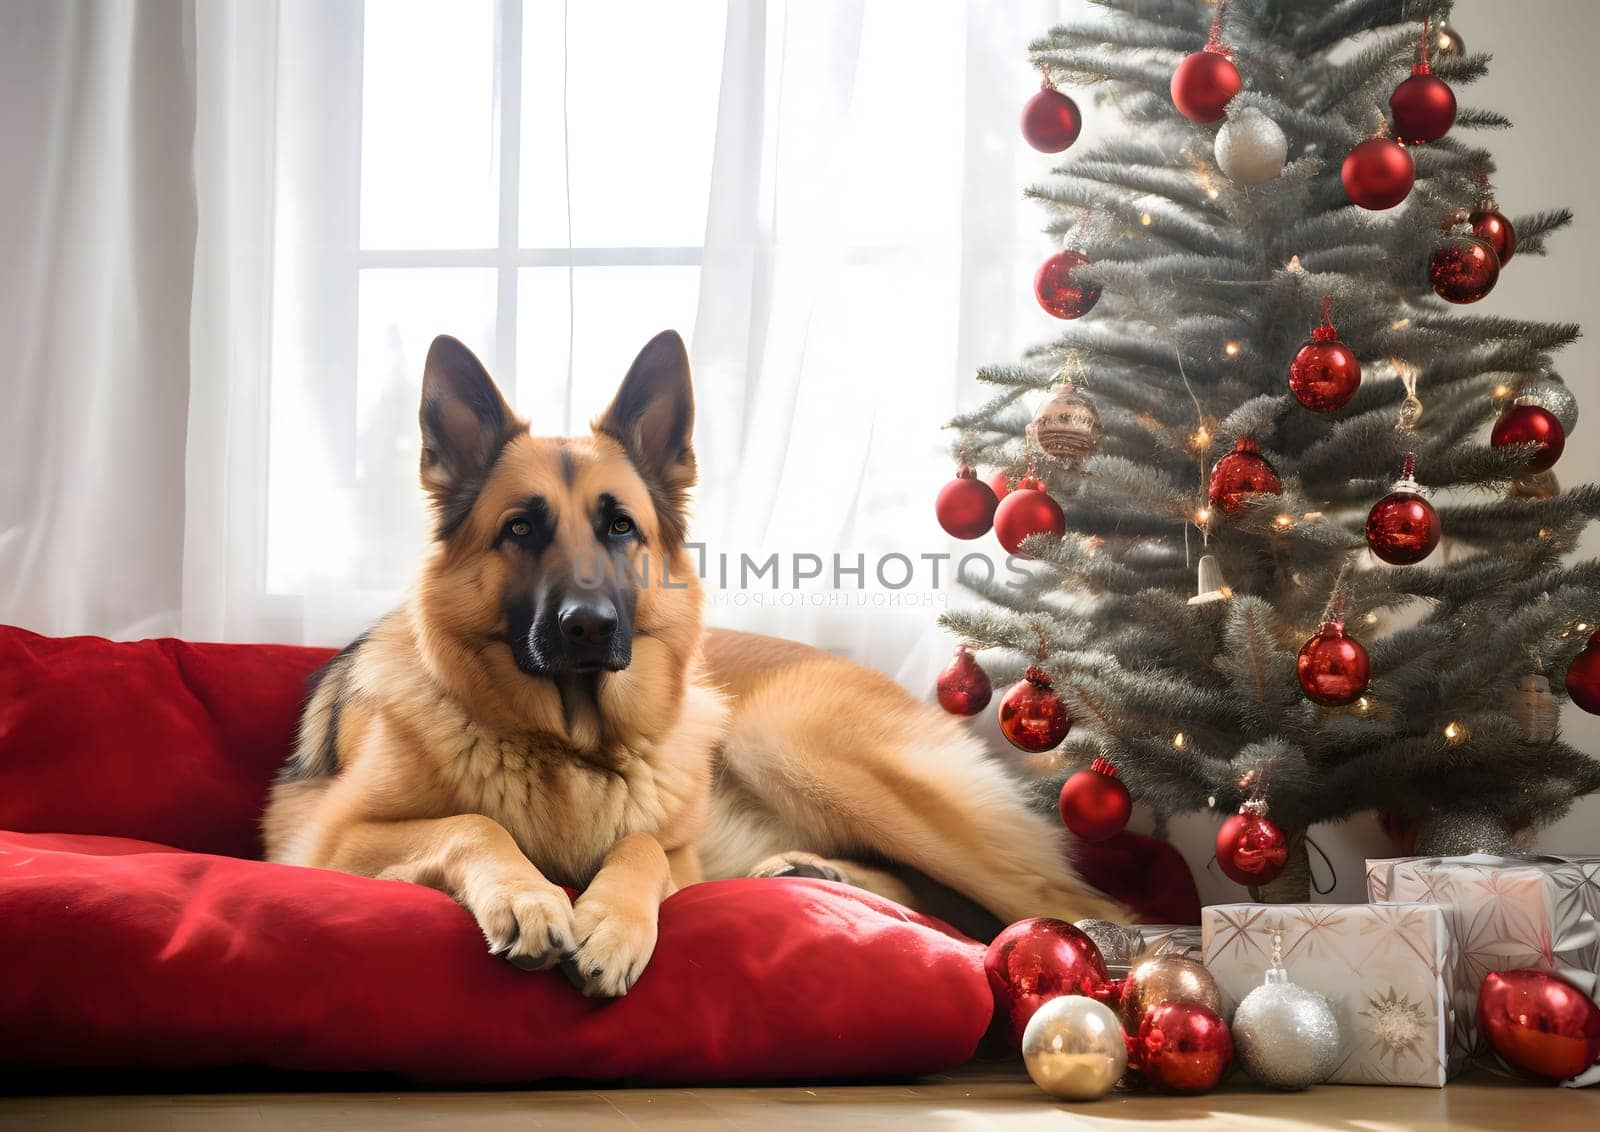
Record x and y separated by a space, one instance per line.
588 623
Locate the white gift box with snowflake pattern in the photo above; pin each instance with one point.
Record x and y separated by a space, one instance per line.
1506 913
1385 968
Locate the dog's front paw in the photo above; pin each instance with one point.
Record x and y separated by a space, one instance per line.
614 944
528 921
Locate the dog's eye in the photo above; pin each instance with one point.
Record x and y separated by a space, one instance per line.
519 528
622 525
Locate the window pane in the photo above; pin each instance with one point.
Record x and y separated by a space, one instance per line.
642 83
429 161
619 309
369 528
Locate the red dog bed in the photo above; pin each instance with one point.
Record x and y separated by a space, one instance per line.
136 930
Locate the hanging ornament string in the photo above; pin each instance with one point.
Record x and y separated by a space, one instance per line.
1202 445
1338 597
1411 407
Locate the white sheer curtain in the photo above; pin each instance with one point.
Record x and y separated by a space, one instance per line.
221 331
97 222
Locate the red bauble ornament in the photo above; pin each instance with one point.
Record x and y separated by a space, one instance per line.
1333 669
1033 717
965 506
1527 423
999 485
1583 677
1095 804
1033 961
1027 510
1240 474
1463 269
963 685
1325 374
1053 286
1424 107
1251 849
1204 84
1403 527
1050 120
1539 1022
1378 174
1494 229
1182 1047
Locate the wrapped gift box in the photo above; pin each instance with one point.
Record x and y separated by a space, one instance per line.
1385 968
1505 913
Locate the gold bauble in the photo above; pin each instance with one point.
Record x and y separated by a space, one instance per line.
1067 426
1538 485
1166 978
1073 1048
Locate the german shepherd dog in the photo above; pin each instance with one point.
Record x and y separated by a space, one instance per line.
546 709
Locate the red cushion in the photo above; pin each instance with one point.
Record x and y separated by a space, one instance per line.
120 952
159 740
1149 876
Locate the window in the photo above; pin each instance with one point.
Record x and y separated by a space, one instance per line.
533 174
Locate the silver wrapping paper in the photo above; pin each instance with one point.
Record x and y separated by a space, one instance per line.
1506 913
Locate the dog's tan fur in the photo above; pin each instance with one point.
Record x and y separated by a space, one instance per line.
712 754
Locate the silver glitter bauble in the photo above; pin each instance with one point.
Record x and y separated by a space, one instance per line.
1117 944
1285 1035
1550 393
1461 832
1073 1048
1251 147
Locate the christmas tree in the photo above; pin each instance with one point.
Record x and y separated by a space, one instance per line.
1245 600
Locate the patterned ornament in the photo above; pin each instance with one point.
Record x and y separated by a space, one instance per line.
1027 510
1066 427
1251 849
1239 475
1462 268
1183 1047
1033 717
1034 961
1326 373
1583 676
1058 292
1534 708
1206 81
963 685
1094 803
1286 1035
1460 832
1378 174
1073 1048
965 507
1402 527
1166 978
1117 944
1491 226
1401 1027
1332 668
1251 148
1527 423
1539 1022
1550 393
1050 120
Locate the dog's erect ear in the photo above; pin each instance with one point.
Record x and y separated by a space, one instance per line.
465 423
652 417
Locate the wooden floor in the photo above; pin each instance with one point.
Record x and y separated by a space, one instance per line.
977 1098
